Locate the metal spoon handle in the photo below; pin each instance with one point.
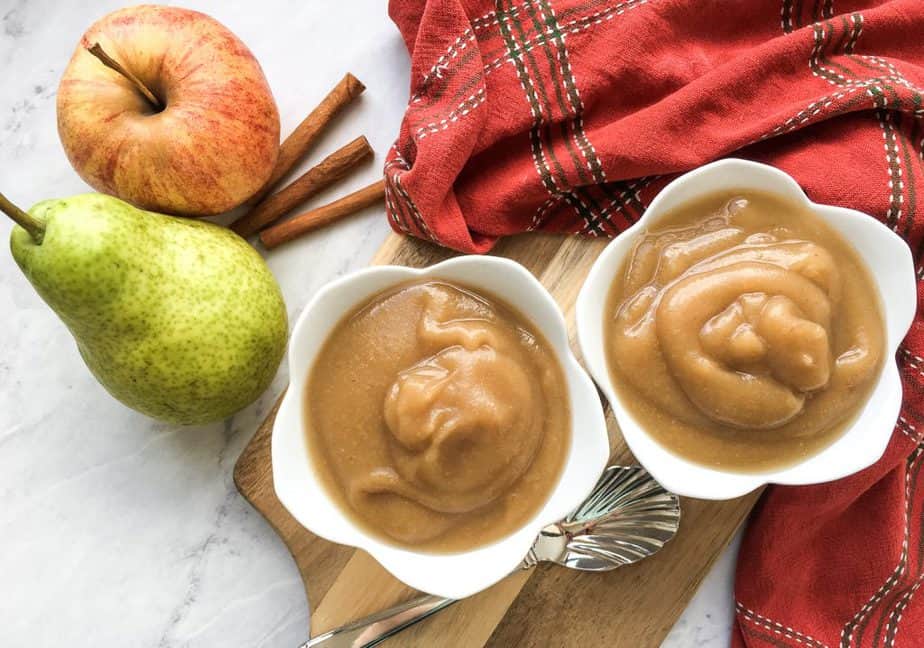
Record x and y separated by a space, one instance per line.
375 628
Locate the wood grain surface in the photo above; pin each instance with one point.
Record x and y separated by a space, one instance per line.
548 606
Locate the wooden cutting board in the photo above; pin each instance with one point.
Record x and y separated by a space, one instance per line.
548 606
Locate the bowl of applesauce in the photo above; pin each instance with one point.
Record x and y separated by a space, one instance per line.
745 335
437 419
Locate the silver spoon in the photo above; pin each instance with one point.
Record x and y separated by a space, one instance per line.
628 516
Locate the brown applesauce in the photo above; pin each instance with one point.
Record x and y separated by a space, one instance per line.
743 332
437 417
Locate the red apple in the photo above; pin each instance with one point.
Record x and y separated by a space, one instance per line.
212 141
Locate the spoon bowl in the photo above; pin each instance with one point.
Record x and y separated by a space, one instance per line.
628 516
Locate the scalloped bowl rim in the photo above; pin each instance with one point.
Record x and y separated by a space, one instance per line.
455 575
864 441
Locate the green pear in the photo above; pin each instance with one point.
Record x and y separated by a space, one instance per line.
178 319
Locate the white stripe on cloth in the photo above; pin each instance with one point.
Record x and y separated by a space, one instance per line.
537 40
778 628
851 626
892 624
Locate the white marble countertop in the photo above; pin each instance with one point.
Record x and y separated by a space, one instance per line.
116 530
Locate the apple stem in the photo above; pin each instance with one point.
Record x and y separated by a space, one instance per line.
98 51
25 220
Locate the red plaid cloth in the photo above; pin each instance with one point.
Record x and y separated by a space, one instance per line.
569 115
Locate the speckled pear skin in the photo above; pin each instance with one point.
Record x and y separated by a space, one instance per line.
178 319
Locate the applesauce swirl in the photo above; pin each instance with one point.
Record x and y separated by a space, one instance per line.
440 416
745 333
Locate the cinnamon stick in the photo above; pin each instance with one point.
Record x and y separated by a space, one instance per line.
328 171
300 140
312 220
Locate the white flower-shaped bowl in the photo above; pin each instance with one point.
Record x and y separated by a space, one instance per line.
459 574
890 263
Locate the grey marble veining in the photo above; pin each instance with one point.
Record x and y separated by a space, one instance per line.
116 530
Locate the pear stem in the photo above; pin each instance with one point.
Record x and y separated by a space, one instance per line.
98 51
25 220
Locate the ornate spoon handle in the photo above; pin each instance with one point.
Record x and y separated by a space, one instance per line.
371 630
